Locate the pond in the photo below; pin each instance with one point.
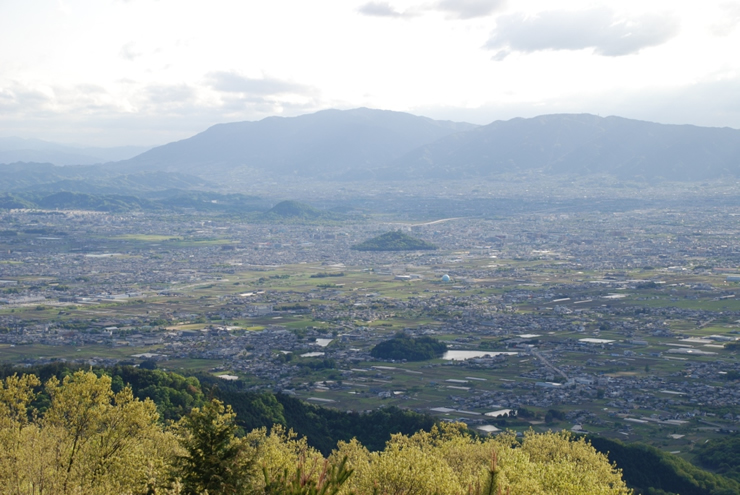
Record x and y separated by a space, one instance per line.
462 355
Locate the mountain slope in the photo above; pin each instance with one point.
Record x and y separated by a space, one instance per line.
576 144
325 144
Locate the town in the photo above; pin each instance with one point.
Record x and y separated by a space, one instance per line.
620 322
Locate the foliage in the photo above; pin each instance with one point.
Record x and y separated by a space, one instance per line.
394 241
254 410
402 346
646 467
446 461
173 394
215 461
330 480
325 427
89 441
92 440
322 427
91 433
721 455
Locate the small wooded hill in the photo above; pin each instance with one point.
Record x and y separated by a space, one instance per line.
295 211
403 346
394 241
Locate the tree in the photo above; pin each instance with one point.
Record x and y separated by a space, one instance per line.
89 441
214 460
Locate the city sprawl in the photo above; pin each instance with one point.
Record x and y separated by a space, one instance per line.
619 320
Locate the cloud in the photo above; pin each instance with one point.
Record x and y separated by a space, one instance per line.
708 102
133 112
168 94
381 9
730 20
128 52
455 9
233 82
469 9
598 28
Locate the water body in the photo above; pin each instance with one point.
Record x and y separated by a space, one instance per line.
462 355
312 354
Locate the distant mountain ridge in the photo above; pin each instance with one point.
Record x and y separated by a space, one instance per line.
580 144
366 144
376 144
325 144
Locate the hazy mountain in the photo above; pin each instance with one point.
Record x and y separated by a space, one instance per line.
15 149
91 179
363 143
576 144
325 144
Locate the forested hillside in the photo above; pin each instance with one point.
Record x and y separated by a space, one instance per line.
91 440
127 406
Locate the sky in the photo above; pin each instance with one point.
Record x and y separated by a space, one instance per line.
147 72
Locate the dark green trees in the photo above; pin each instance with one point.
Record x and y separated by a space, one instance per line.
403 346
215 460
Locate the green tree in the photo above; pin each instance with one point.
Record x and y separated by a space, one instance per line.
89 441
215 460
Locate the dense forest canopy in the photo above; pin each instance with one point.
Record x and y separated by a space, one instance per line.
403 346
34 418
721 455
92 440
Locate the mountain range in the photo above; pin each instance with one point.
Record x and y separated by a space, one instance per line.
363 144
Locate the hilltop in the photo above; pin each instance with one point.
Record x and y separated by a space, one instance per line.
402 346
394 241
294 209
325 144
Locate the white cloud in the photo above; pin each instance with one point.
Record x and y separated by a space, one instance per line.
383 9
730 19
709 102
129 52
233 82
598 28
132 112
469 9
454 9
